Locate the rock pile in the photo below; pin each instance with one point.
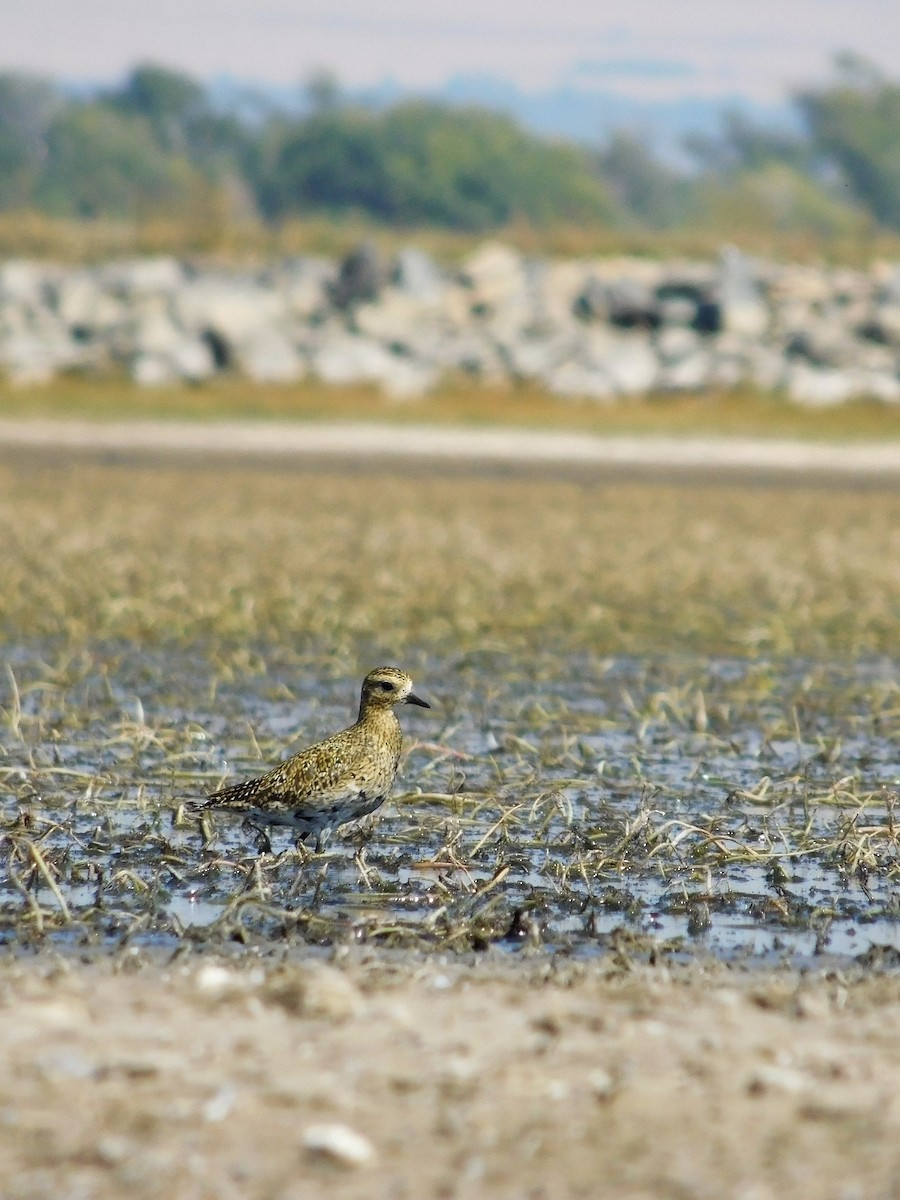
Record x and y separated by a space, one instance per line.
594 329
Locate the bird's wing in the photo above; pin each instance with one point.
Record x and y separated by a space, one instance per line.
320 776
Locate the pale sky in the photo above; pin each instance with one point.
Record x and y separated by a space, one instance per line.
660 49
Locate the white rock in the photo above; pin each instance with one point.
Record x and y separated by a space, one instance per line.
270 356
676 343
740 299
233 309
342 358
557 287
877 385
535 358
143 277
22 281
770 1078
153 370
573 380
152 333
35 357
328 992
767 366
304 284
630 365
418 277
339 1144
690 374
214 979
494 273
407 379
80 301
219 1106
193 360
391 318
817 387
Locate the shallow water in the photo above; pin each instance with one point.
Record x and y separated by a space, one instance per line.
742 809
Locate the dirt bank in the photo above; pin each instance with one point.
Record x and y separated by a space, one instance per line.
204 1079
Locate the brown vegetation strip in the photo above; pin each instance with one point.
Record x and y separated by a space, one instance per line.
411 561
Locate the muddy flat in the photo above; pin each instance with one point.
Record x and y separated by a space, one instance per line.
629 927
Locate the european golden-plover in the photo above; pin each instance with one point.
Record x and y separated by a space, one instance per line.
340 779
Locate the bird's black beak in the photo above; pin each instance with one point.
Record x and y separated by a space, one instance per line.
412 699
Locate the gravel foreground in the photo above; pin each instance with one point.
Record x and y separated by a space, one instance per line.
403 1078
355 442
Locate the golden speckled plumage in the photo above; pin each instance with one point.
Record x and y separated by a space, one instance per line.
340 779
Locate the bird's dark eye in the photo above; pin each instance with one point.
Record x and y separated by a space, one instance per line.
386 687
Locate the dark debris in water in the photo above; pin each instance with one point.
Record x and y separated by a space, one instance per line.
641 810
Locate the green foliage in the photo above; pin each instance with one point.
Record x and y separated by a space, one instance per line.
778 198
743 146
158 147
27 107
650 193
855 124
421 163
182 121
100 162
169 100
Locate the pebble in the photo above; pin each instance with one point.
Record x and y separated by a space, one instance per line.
339 1144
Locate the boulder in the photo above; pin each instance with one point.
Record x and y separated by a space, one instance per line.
878 385
35 356
305 285
676 343
741 303
539 357
269 356
233 309
882 324
494 275
628 362
577 381
342 358
817 387
632 304
142 277
418 277
83 305
689 374
361 277
391 318
189 360
24 282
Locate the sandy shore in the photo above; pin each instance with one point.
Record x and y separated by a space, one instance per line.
299 443
371 1079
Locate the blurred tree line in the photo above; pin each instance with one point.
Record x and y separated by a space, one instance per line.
159 146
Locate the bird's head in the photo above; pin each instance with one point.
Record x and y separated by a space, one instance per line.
386 687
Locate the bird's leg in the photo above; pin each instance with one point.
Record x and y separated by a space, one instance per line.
321 838
261 840
362 867
314 903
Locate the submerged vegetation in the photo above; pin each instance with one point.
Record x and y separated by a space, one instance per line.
666 718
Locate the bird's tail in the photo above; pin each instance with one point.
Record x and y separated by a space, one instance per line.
238 796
